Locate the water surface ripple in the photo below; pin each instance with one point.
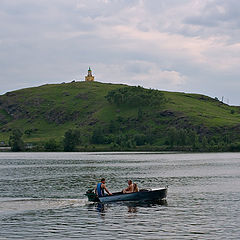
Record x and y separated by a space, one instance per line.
42 196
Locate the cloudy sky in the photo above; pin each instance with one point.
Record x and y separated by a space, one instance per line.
175 45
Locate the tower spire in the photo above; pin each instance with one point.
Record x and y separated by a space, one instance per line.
89 77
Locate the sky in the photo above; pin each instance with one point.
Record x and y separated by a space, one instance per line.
175 45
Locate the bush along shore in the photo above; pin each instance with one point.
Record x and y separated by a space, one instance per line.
175 141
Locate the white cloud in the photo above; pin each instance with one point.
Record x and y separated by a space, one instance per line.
141 73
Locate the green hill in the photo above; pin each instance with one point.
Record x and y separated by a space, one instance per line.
114 116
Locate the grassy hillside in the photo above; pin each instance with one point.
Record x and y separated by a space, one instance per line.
48 111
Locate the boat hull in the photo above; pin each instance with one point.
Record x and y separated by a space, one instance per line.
147 195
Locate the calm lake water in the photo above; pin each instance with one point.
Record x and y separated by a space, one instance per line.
42 196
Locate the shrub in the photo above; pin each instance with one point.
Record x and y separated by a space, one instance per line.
135 96
51 145
15 141
98 136
71 140
140 139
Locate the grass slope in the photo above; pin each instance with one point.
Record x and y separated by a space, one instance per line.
47 111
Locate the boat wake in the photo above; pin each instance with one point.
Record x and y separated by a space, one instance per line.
33 204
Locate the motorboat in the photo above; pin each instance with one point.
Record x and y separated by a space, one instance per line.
141 195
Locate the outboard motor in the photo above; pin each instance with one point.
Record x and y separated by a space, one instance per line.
92 197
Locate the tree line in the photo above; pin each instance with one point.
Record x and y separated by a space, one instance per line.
135 96
115 139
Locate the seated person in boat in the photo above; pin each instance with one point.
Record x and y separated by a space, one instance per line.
129 189
99 189
135 188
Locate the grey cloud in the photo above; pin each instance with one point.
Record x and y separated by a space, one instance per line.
217 13
154 43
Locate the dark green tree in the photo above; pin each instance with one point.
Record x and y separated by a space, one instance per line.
98 136
140 139
204 143
135 96
172 136
51 145
181 137
15 141
140 114
227 139
194 139
71 139
113 126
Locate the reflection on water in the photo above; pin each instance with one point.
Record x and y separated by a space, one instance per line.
100 207
131 207
42 196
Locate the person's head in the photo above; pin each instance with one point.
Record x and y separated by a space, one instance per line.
129 182
135 187
103 180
